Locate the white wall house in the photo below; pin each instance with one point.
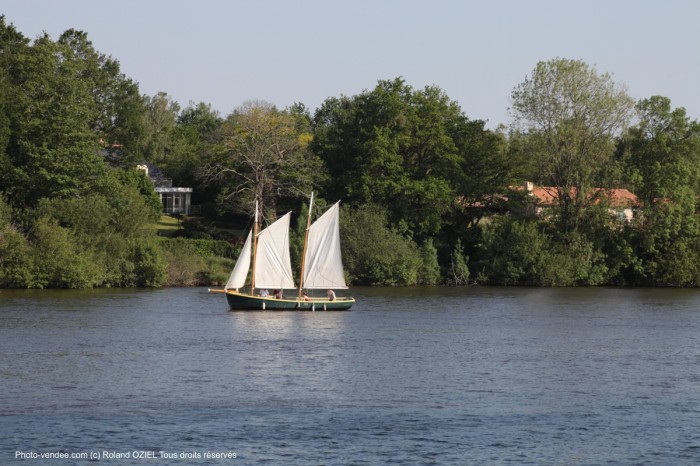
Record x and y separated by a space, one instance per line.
174 200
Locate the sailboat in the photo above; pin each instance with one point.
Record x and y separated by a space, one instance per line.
268 251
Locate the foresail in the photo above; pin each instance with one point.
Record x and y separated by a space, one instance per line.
273 267
240 270
323 261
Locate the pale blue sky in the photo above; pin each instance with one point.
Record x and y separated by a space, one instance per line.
226 52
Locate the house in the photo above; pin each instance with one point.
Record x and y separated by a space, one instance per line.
621 202
174 200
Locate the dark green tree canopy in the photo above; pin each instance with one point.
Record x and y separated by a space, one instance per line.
411 151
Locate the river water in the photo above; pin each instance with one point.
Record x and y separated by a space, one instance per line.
409 376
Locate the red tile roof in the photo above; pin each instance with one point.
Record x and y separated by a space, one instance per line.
547 195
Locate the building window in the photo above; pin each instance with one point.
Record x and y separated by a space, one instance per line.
175 203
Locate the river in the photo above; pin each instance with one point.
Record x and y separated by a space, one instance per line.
410 376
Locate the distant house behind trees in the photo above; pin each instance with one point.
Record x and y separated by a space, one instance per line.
621 202
175 200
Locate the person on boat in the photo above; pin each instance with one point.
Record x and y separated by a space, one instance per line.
331 295
264 293
306 297
278 294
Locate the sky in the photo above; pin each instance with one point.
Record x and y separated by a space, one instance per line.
227 52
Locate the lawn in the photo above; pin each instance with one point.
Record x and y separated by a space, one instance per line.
167 225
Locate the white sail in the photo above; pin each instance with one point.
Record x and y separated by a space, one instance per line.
273 268
240 270
323 262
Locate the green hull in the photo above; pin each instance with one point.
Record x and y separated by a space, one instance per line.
246 302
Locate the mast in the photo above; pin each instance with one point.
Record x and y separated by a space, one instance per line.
306 241
256 227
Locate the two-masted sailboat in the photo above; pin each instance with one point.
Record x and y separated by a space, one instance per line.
271 277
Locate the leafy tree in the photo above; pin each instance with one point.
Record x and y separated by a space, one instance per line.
193 141
392 146
183 263
52 150
118 120
262 156
160 119
662 153
149 208
88 218
12 45
571 115
486 169
662 158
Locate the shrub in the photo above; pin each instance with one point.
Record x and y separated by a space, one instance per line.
429 271
149 265
185 263
16 261
459 271
521 252
59 263
373 253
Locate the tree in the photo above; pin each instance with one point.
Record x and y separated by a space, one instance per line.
662 153
119 117
193 139
571 115
159 120
662 159
392 146
262 157
52 150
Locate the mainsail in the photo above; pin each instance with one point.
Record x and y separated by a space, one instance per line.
323 262
273 267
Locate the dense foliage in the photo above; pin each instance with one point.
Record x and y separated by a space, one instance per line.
428 194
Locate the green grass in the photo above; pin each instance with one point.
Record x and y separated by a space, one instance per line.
167 225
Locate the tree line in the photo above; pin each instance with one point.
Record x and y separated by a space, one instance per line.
428 195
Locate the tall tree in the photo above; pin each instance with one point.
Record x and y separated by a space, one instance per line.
413 151
662 152
262 156
159 120
571 115
191 141
119 117
12 44
391 146
662 156
52 150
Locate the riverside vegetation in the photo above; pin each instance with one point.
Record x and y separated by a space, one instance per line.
425 189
